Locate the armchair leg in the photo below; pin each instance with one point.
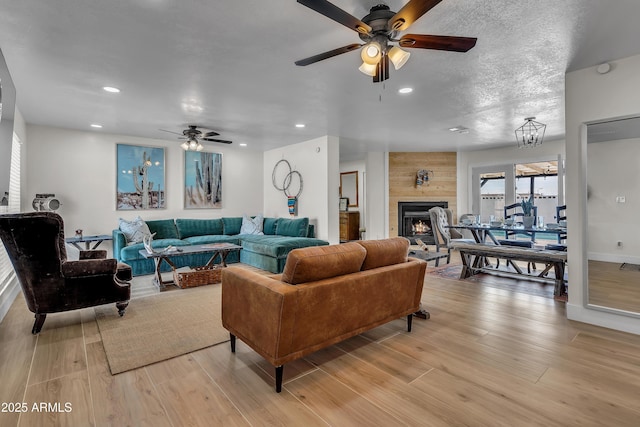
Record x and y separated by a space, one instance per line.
37 325
409 322
279 370
232 341
121 306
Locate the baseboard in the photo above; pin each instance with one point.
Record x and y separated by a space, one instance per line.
8 294
607 257
606 318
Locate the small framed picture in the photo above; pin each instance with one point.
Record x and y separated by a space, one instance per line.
344 204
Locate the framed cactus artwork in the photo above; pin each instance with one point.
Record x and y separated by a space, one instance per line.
202 180
140 175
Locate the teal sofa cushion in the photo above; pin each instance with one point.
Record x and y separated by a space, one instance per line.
277 246
164 229
133 251
269 226
212 238
232 225
198 227
292 227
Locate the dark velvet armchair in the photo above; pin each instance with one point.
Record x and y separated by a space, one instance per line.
50 283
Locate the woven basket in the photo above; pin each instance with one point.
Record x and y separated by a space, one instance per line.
198 276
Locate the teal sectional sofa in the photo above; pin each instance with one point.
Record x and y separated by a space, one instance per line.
268 251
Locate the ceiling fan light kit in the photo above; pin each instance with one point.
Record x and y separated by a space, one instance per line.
368 69
398 57
371 53
378 30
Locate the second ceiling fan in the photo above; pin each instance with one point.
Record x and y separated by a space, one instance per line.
192 136
379 30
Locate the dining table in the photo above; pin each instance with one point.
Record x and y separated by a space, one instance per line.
482 232
485 233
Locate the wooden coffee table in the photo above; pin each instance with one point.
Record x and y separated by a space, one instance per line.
216 249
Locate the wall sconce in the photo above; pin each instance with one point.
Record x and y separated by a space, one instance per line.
423 176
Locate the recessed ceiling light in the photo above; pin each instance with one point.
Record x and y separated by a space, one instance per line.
95 125
405 90
300 125
459 129
111 89
242 144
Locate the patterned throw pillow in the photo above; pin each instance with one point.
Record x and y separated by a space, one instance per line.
252 226
134 230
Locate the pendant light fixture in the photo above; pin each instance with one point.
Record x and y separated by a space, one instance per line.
530 134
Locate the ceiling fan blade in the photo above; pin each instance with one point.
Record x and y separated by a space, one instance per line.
410 13
170 131
450 43
212 133
340 16
326 55
216 140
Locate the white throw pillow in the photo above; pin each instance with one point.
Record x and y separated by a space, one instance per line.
134 230
252 226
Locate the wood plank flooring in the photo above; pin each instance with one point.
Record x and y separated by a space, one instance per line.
609 286
489 355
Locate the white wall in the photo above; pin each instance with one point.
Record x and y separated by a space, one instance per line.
317 161
592 97
610 222
377 196
80 167
467 160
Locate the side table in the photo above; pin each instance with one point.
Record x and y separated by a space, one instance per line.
87 240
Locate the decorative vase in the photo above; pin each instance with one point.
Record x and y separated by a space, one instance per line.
528 221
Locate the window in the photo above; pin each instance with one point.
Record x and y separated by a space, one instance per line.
6 270
495 186
541 180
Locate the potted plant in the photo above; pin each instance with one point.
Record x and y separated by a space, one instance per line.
527 210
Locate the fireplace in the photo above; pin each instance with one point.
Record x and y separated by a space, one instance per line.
414 220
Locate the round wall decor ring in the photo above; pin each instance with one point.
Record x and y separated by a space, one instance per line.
273 175
286 184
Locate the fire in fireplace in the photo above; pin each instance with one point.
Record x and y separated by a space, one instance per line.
414 221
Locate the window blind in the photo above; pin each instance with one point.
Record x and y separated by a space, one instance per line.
6 269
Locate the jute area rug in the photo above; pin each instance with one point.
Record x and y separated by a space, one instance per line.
160 327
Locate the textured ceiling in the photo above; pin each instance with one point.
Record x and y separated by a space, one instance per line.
229 66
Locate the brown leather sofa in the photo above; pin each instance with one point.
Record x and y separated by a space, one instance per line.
50 283
325 294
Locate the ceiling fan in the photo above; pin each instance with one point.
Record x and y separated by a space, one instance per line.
193 136
379 30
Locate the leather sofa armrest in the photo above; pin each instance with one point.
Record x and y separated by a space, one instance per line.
259 310
89 267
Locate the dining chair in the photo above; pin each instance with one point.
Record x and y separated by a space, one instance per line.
561 215
444 237
515 212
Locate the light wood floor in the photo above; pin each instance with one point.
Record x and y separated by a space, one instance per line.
488 356
609 286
